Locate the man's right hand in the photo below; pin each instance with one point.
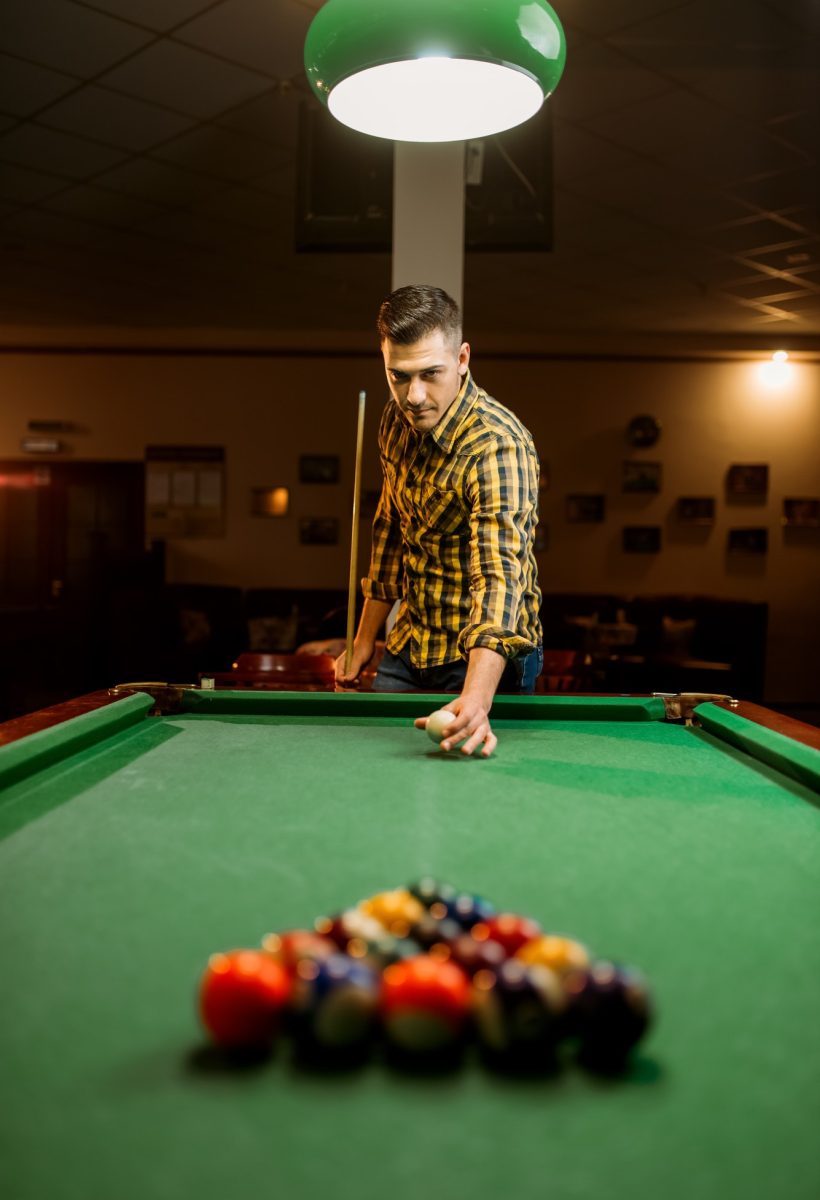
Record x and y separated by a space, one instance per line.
362 654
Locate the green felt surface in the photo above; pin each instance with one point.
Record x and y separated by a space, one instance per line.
145 849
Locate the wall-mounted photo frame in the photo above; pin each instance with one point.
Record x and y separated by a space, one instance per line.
318 468
541 540
641 539
585 508
319 531
747 479
696 510
748 541
641 477
270 501
801 512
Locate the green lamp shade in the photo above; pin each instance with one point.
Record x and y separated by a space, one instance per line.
434 70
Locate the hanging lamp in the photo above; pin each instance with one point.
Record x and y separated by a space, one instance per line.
434 70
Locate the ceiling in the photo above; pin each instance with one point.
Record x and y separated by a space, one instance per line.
147 174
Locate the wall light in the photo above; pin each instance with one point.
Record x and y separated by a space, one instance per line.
776 372
434 70
270 501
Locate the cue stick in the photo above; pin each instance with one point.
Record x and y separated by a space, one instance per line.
354 536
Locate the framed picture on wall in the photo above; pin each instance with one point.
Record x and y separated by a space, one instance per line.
585 509
801 512
318 468
747 479
748 541
641 539
319 531
696 510
644 477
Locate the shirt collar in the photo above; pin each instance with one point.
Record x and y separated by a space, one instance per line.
446 432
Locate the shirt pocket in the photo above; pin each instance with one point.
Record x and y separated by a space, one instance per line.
441 511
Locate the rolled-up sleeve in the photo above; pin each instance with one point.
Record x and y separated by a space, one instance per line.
502 487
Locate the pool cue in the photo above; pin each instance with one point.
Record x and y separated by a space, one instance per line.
352 582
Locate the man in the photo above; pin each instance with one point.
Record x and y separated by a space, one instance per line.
453 531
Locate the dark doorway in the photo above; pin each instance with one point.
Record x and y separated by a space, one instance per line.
71 538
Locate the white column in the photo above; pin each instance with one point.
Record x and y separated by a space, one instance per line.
428 215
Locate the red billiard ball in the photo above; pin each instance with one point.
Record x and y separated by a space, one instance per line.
242 998
425 1004
291 947
509 929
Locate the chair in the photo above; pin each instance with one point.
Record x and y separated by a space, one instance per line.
563 671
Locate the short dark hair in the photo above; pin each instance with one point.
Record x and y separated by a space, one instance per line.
413 312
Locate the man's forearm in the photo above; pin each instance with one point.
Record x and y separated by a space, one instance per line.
484 670
374 615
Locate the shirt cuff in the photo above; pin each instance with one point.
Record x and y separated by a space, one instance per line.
372 589
491 637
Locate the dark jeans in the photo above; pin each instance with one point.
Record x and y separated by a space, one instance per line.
397 674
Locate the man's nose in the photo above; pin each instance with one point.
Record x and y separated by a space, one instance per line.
416 392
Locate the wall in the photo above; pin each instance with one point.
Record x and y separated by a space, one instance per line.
266 409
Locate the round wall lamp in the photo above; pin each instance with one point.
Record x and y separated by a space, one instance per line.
434 70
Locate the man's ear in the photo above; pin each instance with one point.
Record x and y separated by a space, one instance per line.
464 358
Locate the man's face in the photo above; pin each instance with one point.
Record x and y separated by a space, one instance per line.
425 377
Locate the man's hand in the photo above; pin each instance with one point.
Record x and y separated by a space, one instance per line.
471 727
362 654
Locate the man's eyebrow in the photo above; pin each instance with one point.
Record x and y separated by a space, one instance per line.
421 371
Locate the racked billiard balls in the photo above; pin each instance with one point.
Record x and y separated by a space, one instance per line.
610 1010
380 952
432 891
334 1003
424 1004
518 1012
560 954
431 931
510 929
242 998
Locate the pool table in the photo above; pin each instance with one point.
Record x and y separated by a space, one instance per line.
683 839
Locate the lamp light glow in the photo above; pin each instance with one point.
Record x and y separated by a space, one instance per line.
434 70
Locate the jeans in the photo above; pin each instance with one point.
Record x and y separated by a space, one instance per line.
397 674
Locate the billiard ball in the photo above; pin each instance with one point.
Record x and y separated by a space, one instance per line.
511 930
432 891
398 911
431 931
560 954
470 954
424 1005
437 723
242 998
352 923
610 1010
468 909
290 947
334 1003
518 1012
380 952
442 901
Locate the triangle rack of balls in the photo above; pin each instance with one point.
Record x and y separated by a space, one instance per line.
423 971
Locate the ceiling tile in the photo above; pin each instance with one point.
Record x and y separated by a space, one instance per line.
185 80
214 151
577 153
99 205
243 206
32 145
69 37
153 180
273 117
255 33
110 117
597 78
24 88
155 14
26 186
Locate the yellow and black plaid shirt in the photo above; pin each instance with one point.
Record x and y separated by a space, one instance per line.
453 532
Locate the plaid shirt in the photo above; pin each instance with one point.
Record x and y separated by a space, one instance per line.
453 532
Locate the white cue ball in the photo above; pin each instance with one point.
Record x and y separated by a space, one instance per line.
437 722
